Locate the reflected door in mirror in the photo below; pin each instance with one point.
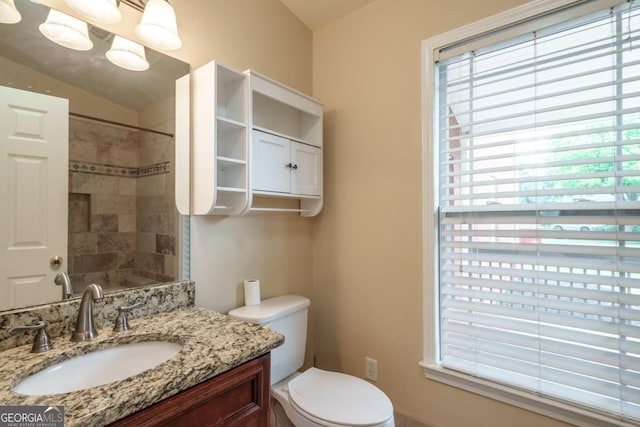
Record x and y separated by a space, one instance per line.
34 190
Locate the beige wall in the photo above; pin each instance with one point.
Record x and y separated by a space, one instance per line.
367 243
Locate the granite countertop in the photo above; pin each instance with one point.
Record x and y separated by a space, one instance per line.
212 343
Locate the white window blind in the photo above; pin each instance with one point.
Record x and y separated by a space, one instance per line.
539 211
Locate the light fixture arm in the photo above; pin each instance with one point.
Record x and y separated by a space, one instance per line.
137 4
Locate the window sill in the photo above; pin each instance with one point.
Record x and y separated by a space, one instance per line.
522 399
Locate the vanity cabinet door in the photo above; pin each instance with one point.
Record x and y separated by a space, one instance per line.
239 397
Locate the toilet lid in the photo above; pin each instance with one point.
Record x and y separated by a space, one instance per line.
339 399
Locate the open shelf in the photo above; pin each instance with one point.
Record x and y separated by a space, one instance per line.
231 90
285 195
273 116
284 135
228 161
227 124
231 190
220 143
278 210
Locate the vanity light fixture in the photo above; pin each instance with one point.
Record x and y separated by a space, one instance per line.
66 31
127 54
8 12
158 27
100 11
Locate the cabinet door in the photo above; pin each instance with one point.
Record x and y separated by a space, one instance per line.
239 397
270 160
306 176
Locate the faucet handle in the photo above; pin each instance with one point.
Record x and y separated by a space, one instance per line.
41 341
122 324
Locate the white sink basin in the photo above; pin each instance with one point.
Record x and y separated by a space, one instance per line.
98 368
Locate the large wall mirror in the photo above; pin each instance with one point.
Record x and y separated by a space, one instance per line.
120 227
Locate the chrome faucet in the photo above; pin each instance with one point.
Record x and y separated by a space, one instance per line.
62 279
85 328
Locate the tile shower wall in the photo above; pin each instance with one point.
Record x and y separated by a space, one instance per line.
156 215
106 185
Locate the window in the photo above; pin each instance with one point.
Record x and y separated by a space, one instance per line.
536 135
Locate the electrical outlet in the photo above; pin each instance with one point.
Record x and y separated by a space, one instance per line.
371 369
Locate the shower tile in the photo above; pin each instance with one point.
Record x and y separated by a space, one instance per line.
153 263
159 223
82 151
171 265
155 204
126 260
155 149
158 277
165 244
117 242
154 185
127 186
82 243
79 208
126 223
122 205
150 223
116 155
146 242
94 263
93 184
171 183
100 133
104 223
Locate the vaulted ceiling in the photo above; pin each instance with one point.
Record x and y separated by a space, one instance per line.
317 13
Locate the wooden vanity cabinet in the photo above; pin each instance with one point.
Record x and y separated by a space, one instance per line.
239 397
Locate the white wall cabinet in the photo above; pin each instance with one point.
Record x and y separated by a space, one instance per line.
253 139
286 143
284 166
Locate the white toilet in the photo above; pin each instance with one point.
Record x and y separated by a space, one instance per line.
314 397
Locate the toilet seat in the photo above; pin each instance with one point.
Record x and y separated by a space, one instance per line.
338 399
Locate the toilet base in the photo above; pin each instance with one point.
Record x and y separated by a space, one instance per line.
285 415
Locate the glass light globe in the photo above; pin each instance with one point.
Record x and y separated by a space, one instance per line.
66 31
127 54
158 27
8 12
100 11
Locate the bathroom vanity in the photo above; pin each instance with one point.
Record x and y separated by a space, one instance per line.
237 397
221 373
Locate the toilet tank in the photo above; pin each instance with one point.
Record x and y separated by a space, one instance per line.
287 315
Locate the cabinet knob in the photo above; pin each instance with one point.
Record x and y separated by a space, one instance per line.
295 166
289 165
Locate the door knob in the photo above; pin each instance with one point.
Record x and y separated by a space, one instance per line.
56 260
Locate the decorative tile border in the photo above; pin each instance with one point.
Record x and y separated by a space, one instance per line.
156 169
121 171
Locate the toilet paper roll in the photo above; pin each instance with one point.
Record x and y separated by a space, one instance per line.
251 292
